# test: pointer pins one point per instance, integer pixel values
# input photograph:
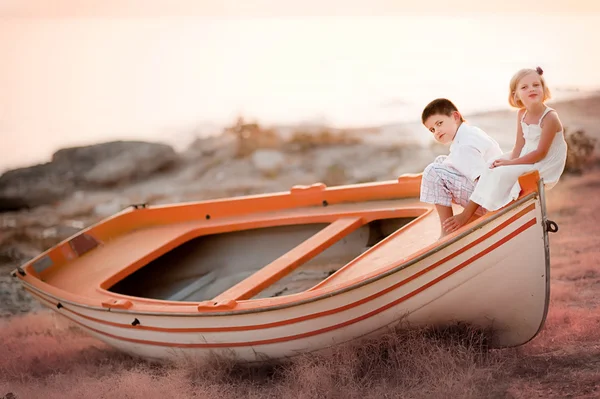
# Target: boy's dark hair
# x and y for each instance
(439, 106)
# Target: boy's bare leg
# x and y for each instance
(444, 213)
(453, 223)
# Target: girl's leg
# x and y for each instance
(499, 186)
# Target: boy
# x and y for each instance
(453, 177)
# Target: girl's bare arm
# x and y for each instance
(520, 141)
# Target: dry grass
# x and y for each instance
(304, 141)
(44, 356)
(251, 136)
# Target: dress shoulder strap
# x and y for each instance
(548, 109)
(523, 117)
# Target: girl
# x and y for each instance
(540, 145)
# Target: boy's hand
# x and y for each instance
(500, 162)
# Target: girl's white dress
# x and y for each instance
(499, 186)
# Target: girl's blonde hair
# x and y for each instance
(512, 98)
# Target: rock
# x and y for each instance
(580, 151)
(16, 248)
(82, 168)
(334, 175)
(207, 153)
(13, 298)
(131, 164)
(34, 186)
(9, 204)
(268, 162)
(110, 208)
(237, 173)
(77, 205)
(222, 146)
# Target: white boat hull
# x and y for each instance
(495, 275)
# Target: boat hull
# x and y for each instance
(496, 274)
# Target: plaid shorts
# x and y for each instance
(441, 185)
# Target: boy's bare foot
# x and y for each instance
(443, 233)
(455, 222)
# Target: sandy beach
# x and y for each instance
(45, 355)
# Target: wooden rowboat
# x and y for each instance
(272, 276)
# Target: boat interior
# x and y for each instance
(207, 266)
(220, 260)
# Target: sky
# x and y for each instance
(76, 73)
(279, 8)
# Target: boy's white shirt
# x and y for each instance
(471, 151)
